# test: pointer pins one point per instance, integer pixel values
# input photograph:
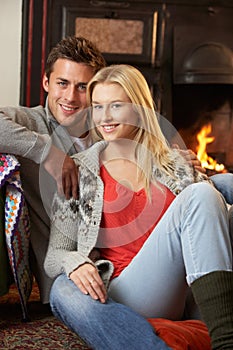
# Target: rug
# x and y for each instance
(43, 331)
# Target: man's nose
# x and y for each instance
(72, 94)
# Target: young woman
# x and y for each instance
(146, 231)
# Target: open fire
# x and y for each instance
(204, 139)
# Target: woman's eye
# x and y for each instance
(116, 105)
(97, 107)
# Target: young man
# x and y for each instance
(43, 138)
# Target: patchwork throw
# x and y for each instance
(16, 228)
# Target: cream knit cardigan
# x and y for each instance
(75, 223)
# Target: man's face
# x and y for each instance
(66, 88)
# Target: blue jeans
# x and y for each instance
(191, 240)
(109, 326)
(224, 184)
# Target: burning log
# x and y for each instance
(203, 140)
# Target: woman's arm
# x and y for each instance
(63, 255)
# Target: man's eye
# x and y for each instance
(82, 87)
(62, 83)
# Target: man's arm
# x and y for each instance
(24, 132)
(64, 170)
(191, 157)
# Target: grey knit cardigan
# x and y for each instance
(75, 223)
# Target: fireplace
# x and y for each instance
(203, 95)
(198, 105)
(183, 48)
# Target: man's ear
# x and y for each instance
(45, 82)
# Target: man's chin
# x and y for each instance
(68, 121)
(71, 119)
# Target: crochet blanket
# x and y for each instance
(16, 228)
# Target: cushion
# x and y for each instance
(182, 335)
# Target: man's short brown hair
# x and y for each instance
(77, 49)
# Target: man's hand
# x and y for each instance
(65, 172)
(191, 157)
(87, 279)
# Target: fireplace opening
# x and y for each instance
(197, 105)
(202, 92)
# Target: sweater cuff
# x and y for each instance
(74, 263)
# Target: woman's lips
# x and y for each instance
(109, 128)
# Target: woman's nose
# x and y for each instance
(107, 113)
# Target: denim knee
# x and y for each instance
(224, 184)
(206, 193)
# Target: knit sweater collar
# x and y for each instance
(90, 158)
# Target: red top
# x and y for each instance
(128, 219)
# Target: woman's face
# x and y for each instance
(113, 113)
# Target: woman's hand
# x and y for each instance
(87, 279)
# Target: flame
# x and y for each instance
(203, 139)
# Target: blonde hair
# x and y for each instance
(149, 134)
